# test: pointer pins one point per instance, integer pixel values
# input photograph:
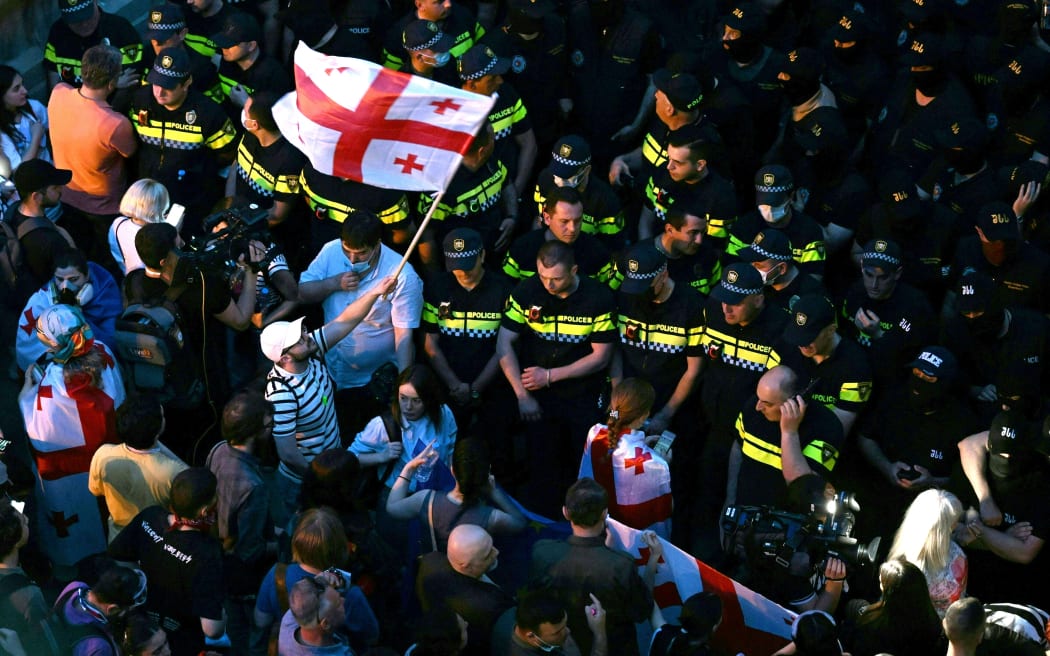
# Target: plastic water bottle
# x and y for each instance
(424, 471)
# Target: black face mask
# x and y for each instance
(964, 160)
(799, 91)
(743, 50)
(924, 396)
(930, 83)
(986, 326)
(848, 55)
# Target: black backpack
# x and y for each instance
(157, 356)
(66, 636)
(12, 260)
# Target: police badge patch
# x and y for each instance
(191, 117)
(517, 64)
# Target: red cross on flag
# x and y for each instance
(357, 120)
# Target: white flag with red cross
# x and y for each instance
(357, 120)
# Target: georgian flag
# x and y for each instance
(66, 424)
(750, 623)
(637, 479)
(357, 120)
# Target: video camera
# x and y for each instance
(219, 251)
(826, 531)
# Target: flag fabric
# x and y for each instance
(66, 423)
(357, 120)
(637, 479)
(751, 624)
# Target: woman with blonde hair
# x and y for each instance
(636, 478)
(925, 539)
(146, 201)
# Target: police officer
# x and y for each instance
(571, 166)
(204, 19)
(555, 344)
(687, 182)
(166, 28)
(427, 48)
(659, 325)
(691, 260)
(741, 340)
(835, 369)
(481, 72)
(854, 72)
(770, 253)
(83, 25)
(185, 136)
(562, 221)
(961, 179)
(454, 20)
(774, 194)
(245, 68)
(462, 309)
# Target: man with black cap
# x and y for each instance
(533, 36)
(770, 254)
(1021, 271)
(691, 259)
(83, 25)
(991, 338)
(166, 28)
(924, 229)
(742, 59)
(185, 136)
(960, 177)
(928, 100)
(562, 221)
(427, 47)
(854, 73)
(245, 68)
(833, 368)
(454, 20)
(659, 322)
(687, 182)
(889, 318)
(1007, 472)
(481, 72)
(741, 341)
(677, 103)
(555, 343)
(462, 309)
(800, 76)
(204, 19)
(571, 167)
(774, 198)
(39, 185)
(910, 438)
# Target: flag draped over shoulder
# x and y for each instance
(66, 423)
(637, 479)
(750, 623)
(357, 120)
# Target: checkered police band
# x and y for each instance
(568, 161)
(632, 272)
(429, 44)
(477, 75)
(462, 254)
(74, 6)
(764, 253)
(737, 289)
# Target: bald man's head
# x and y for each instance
(774, 387)
(470, 550)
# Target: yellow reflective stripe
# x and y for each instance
(855, 392)
(504, 120)
(538, 196)
(605, 225)
(756, 448)
(670, 339)
(735, 245)
(812, 252)
(222, 137)
(338, 212)
(287, 183)
(704, 285)
(131, 54)
(430, 313)
(719, 227)
(514, 311)
(157, 130)
(201, 44)
(607, 275)
(761, 358)
(51, 56)
(514, 270)
(472, 201)
(225, 85)
(815, 452)
(653, 151)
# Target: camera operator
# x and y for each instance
(205, 305)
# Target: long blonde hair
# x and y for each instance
(925, 534)
(631, 399)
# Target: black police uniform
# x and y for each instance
(803, 233)
(266, 74)
(264, 174)
(859, 83)
(802, 285)
(460, 24)
(603, 214)
(711, 198)
(554, 332)
(964, 197)
(1022, 280)
(467, 323)
(181, 148)
(592, 258)
(509, 118)
(761, 478)
(65, 49)
(474, 199)
(702, 270)
(1024, 134)
(200, 29)
(843, 380)
(758, 83)
(331, 199)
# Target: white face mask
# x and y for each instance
(572, 182)
(245, 118)
(773, 214)
(771, 276)
(438, 60)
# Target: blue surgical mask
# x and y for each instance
(773, 214)
(441, 58)
(572, 182)
(360, 267)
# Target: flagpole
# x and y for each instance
(419, 233)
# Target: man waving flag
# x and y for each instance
(357, 120)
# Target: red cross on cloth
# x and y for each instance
(638, 461)
(30, 324)
(354, 119)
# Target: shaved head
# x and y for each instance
(470, 550)
(774, 387)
